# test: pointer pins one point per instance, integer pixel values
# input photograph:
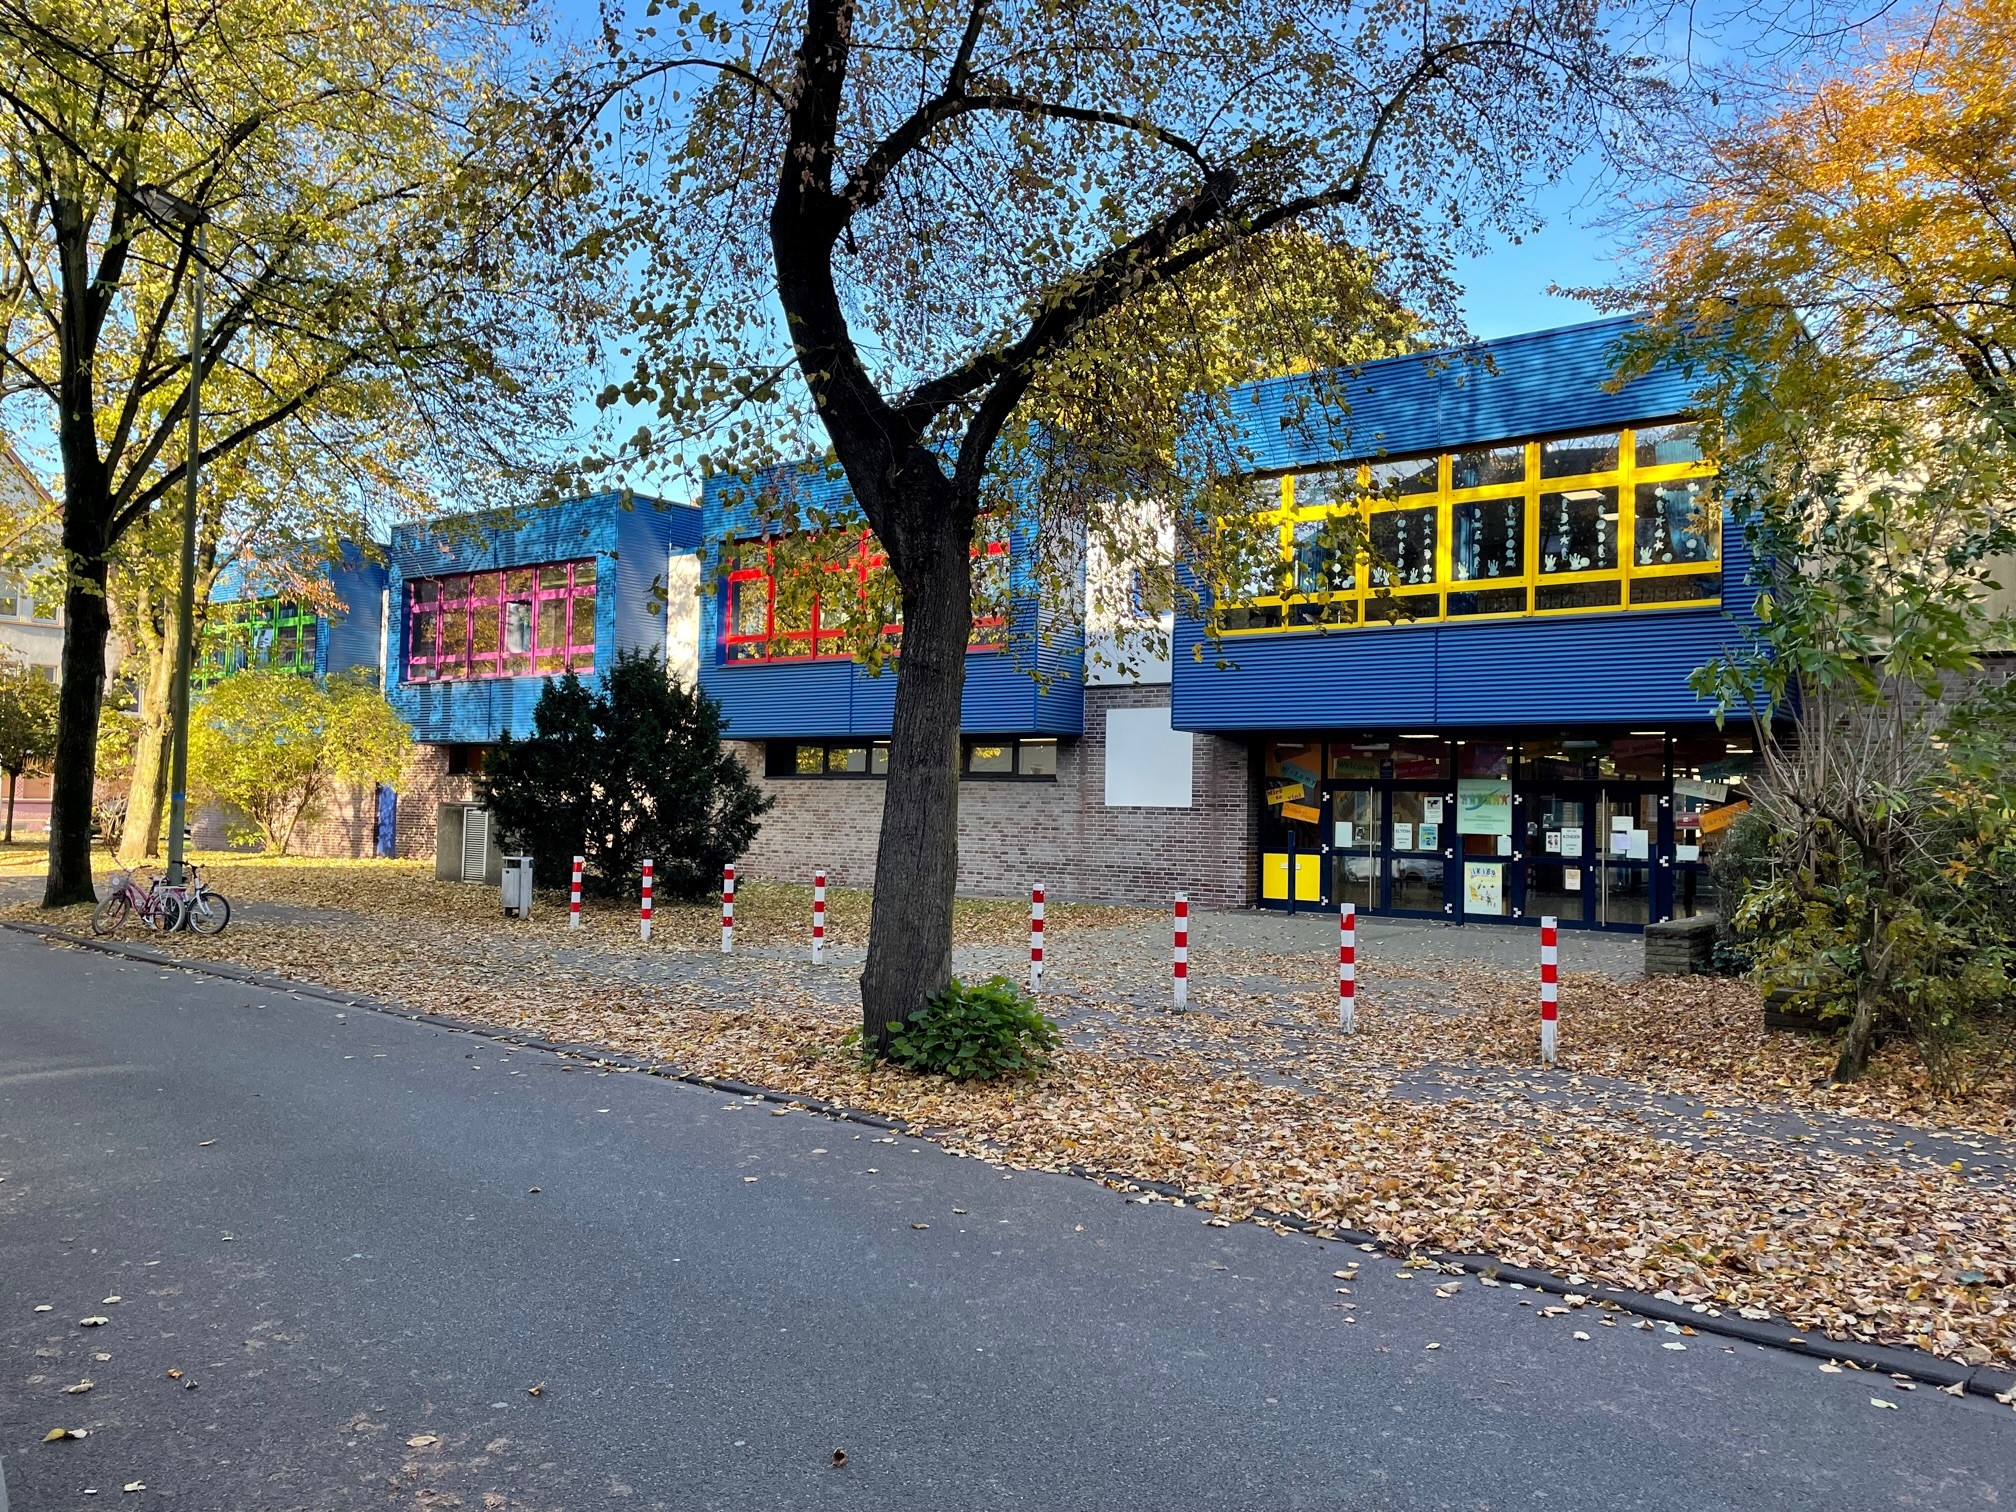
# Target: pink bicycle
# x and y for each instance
(154, 905)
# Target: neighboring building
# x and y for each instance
(1499, 726)
(32, 632)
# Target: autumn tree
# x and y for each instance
(27, 726)
(271, 516)
(273, 747)
(373, 257)
(1834, 262)
(880, 227)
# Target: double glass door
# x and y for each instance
(1388, 847)
(1589, 853)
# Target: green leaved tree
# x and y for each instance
(914, 234)
(27, 726)
(275, 746)
(376, 261)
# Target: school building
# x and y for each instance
(1486, 717)
(1493, 724)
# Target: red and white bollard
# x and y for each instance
(1036, 937)
(1181, 965)
(574, 895)
(644, 907)
(727, 910)
(1550, 988)
(1347, 968)
(818, 917)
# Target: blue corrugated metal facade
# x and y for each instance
(1034, 686)
(347, 638)
(631, 538)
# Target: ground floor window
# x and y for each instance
(983, 758)
(1600, 829)
(826, 758)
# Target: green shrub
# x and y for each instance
(976, 1033)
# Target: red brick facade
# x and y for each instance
(1059, 833)
(426, 785)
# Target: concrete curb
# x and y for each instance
(1917, 1364)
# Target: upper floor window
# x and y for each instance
(518, 622)
(1609, 520)
(276, 635)
(762, 623)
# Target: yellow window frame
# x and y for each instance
(1624, 479)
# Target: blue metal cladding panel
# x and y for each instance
(1539, 383)
(1620, 665)
(348, 641)
(764, 700)
(601, 526)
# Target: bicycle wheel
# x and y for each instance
(110, 913)
(167, 913)
(209, 913)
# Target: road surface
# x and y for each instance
(362, 1241)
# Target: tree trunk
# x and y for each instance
(1869, 995)
(12, 779)
(147, 794)
(74, 772)
(917, 865)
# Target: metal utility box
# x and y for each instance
(517, 885)
(463, 848)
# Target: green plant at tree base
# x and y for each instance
(980, 1032)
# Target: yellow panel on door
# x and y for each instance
(1308, 879)
(1274, 876)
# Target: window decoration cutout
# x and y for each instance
(518, 622)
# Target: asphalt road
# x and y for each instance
(363, 1239)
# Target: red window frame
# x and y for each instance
(820, 639)
(460, 626)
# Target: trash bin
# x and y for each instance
(517, 886)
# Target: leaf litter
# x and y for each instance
(1255, 1105)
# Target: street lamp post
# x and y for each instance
(170, 207)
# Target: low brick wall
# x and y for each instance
(1059, 833)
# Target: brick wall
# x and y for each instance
(425, 785)
(1060, 833)
(347, 827)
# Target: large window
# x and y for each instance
(275, 634)
(761, 624)
(520, 622)
(1611, 520)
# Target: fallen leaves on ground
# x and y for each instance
(1430, 1127)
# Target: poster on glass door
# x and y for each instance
(1483, 887)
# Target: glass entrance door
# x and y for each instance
(1357, 825)
(1417, 864)
(1555, 850)
(1627, 829)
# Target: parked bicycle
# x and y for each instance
(204, 909)
(156, 906)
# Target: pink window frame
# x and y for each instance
(488, 592)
